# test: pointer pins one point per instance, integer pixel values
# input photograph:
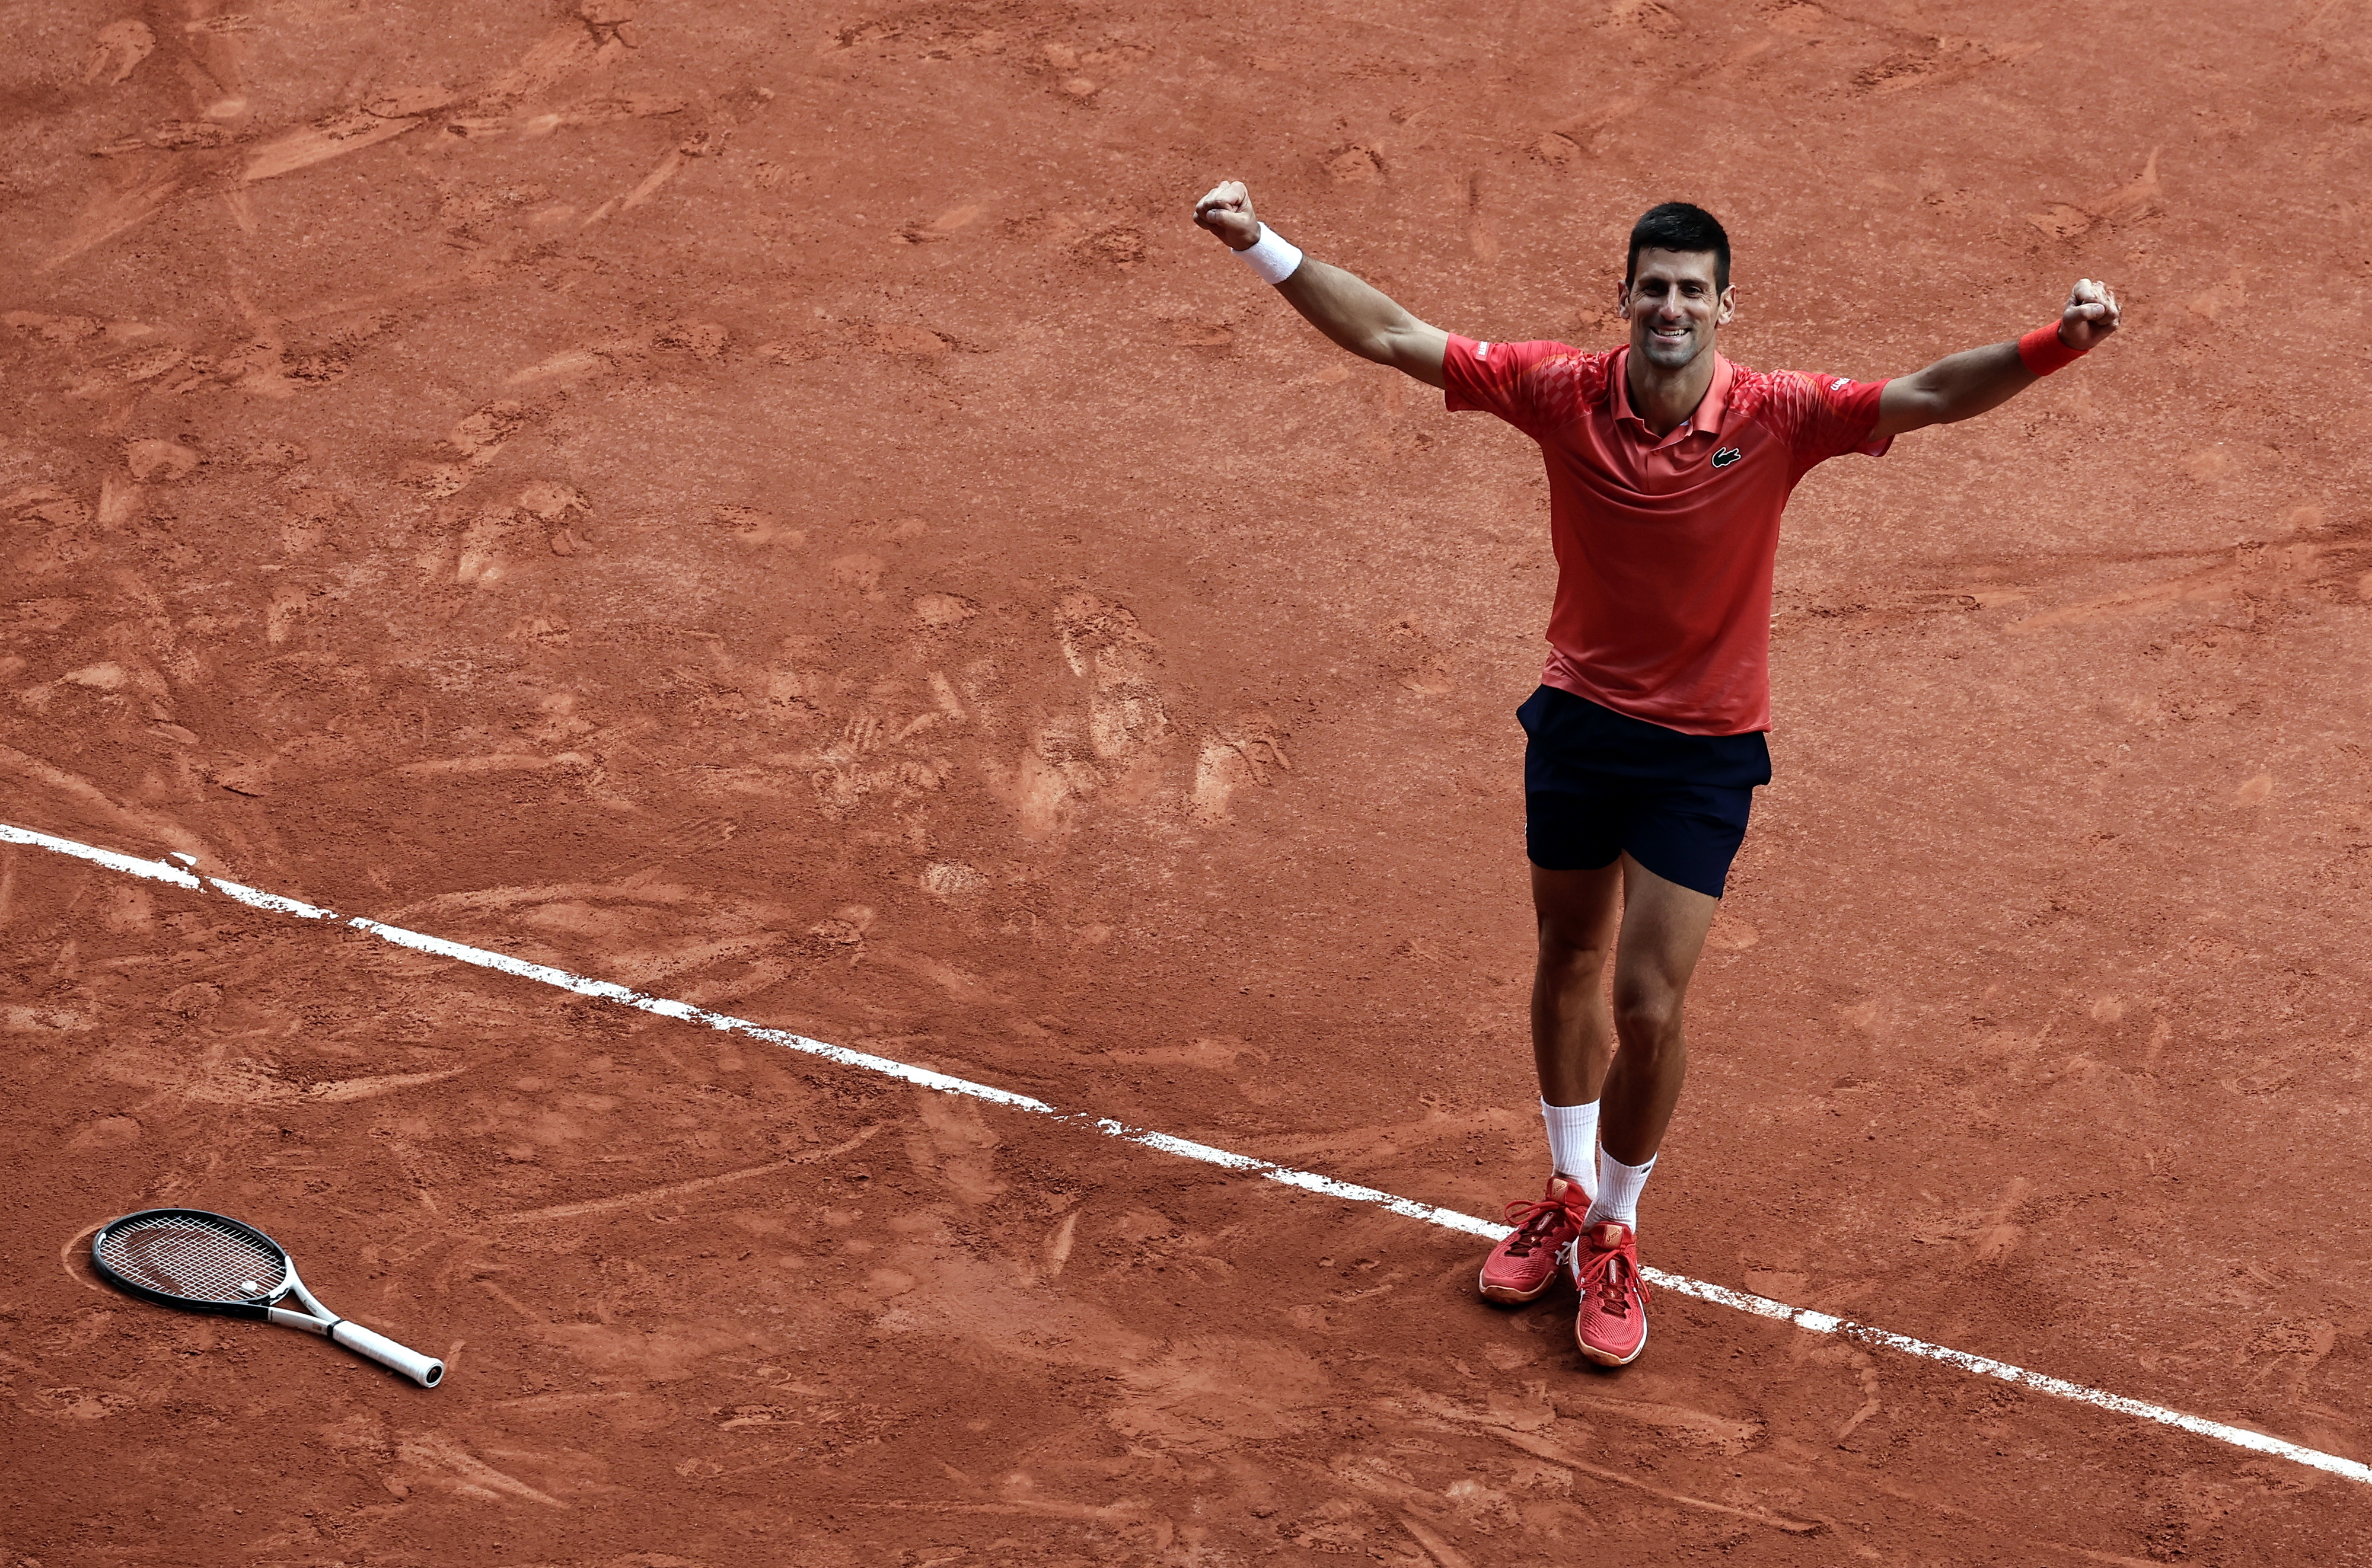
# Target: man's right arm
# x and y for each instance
(1357, 316)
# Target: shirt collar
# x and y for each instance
(1706, 421)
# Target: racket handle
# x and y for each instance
(424, 1370)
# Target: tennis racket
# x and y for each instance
(206, 1262)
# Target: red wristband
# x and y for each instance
(2043, 351)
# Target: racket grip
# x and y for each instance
(424, 1370)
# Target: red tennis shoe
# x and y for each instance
(1524, 1264)
(1612, 1328)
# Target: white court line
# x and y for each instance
(1308, 1181)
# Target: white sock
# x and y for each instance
(1573, 1137)
(1618, 1190)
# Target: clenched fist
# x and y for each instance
(2090, 315)
(1228, 213)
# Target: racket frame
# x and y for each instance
(424, 1370)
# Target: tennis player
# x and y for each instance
(1667, 468)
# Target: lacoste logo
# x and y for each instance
(1725, 457)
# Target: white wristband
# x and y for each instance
(1273, 257)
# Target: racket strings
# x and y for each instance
(193, 1258)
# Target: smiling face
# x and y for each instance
(1673, 304)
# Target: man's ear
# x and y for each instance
(1622, 300)
(1728, 306)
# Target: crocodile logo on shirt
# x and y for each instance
(1725, 457)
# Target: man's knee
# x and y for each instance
(1646, 1016)
(1564, 945)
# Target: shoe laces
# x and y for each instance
(1611, 1274)
(1535, 1220)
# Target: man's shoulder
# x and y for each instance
(1778, 394)
(1553, 369)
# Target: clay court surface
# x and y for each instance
(777, 506)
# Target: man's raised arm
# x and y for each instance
(1962, 386)
(1363, 319)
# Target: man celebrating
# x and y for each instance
(1667, 468)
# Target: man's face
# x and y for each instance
(1673, 306)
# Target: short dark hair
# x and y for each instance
(1677, 226)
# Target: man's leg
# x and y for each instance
(1571, 1035)
(1662, 936)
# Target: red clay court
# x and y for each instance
(782, 510)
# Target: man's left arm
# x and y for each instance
(1962, 386)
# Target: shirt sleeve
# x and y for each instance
(1500, 378)
(1821, 417)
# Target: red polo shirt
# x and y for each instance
(1663, 546)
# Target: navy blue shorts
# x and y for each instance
(1599, 783)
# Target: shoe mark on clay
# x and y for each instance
(956, 1143)
(1799, 16)
(219, 51)
(1440, 1551)
(2257, 570)
(484, 553)
(312, 522)
(1241, 1065)
(702, 340)
(347, 130)
(503, 901)
(964, 987)
(2065, 220)
(219, 1077)
(1726, 1435)
(1068, 760)
(944, 613)
(1413, 660)
(146, 825)
(951, 879)
(1354, 1145)
(646, 1197)
(1935, 62)
(570, 363)
(1482, 231)
(668, 1353)
(433, 1458)
(1569, 139)
(1542, 1447)
(478, 439)
(111, 212)
(944, 226)
(750, 525)
(602, 111)
(567, 50)
(1648, 16)
(840, 772)
(2292, 1349)
(602, 34)
(1866, 1369)
(72, 1403)
(260, 361)
(1081, 74)
(117, 51)
(1247, 754)
(1997, 1238)
(1056, 1251)
(599, 36)
(1202, 1395)
(666, 171)
(570, 48)
(18, 1019)
(172, 136)
(859, 571)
